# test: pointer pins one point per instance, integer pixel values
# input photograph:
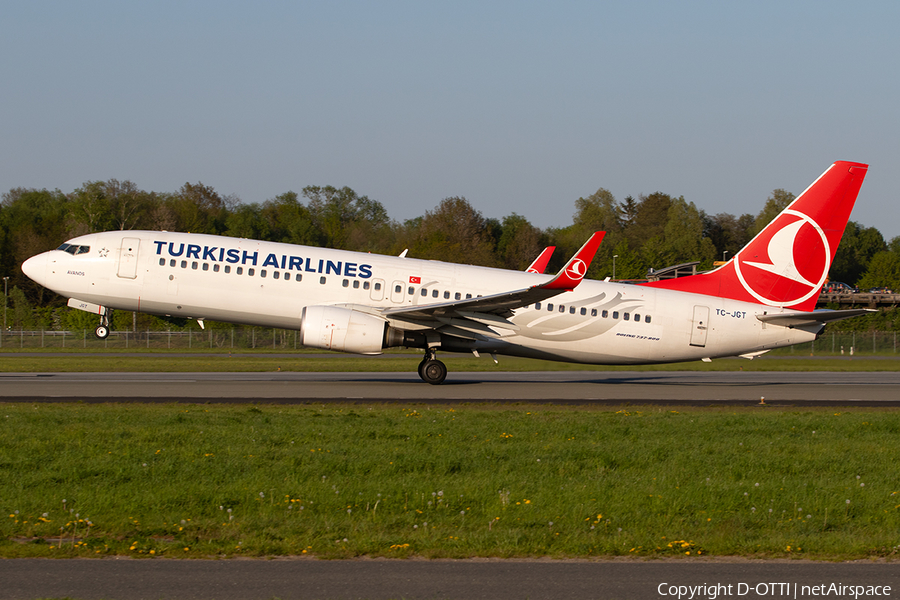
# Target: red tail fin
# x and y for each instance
(787, 263)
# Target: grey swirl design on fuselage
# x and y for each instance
(565, 327)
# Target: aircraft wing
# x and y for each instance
(476, 313)
(798, 319)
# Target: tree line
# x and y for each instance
(650, 231)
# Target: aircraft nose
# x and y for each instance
(36, 268)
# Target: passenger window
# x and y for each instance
(593, 312)
(162, 262)
(322, 280)
(468, 296)
(239, 270)
(287, 276)
(572, 310)
(172, 263)
(345, 283)
(216, 268)
(615, 314)
(537, 306)
(562, 308)
(298, 277)
(250, 272)
(366, 286)
(262, 273)
(184, 264)
(625, 316)
(411, 290)
(206, 266)
(356, 284)
(194, 265)
(275, 274)
(637, 318)
(604, 314)
(457, 295)
(377, 286)
(583, 311)
(434, 293)
(549, 307)
(646, 318)
(228, 268)
(398, 289)
(446, 295)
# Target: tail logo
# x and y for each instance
(576, 270)
(787, 263)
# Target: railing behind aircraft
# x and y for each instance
(261, 339)
(243, 338)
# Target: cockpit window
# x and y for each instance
(74, 249)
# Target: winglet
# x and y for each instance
(575, 270)
(540, 263)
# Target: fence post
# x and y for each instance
(190, 339)
(232, 338)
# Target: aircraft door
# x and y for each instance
(700, 326)
(128, 257)
(377, 293)
(397, 292)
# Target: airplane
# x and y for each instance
(762, 298)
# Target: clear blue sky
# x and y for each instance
(518, 106)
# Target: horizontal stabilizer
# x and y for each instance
(798, 319)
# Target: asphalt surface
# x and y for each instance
(436, 579)
(554, 387)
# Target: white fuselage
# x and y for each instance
(269, 284)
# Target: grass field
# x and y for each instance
(175, 480)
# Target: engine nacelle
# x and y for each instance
(343, 330)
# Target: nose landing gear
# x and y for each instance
(102, 331)
(431, 370)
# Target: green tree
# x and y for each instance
(198, 208)
(454, 232)
(883, 271)
(776, 203)
(684, 235)
(858, 246)
(519, 242)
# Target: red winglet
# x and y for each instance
(540, 263)
(575, 270)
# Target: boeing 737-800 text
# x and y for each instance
(763, 298)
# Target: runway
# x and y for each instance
(486, 579)
(599, 388)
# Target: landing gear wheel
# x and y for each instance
(433, 371)
(102, 332)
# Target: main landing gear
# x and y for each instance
(431, 370)
(102, 331)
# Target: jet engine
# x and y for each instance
(346, 330)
